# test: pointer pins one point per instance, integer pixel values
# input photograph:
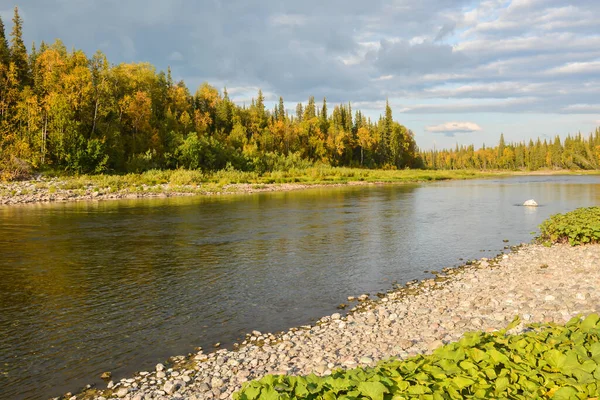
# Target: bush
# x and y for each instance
(202, 152)
(13, 168)
(142, 162)
(87, 157)
(183, 177)
(576, 227)
(547, 361)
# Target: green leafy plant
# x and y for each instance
(545, 361)
(576, 227)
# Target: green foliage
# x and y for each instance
(18, 51)
(577, 227)
(576, 153)
(88, 156)
(547, 361)
(13, 168)
(54, 101)
(202, 152)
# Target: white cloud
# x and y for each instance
(577, 68)
(454, 127)
(582, 108)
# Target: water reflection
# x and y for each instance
(119, 286)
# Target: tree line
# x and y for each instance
(575, 152)
(61, 110)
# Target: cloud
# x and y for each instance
(414, 58)
(582, 108)
(445, 30)
(451, 128)
(503, 56)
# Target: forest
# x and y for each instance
(576, 152)
(63, 111)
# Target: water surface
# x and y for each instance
(121, 285)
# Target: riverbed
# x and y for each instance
(118, 286)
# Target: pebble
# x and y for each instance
(476, 297)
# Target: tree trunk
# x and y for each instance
(95, 117)
(361, 156)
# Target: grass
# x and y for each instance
(195, 181)
(310, 176)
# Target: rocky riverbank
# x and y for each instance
(57, 190)
(540, 284)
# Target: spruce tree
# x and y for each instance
(18, 51)
(310, 110)
(4, 51)
(299, 112)
(324, 123)
(501, 146)
(281, 110)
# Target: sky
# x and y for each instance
(453, 71)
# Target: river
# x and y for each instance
(121, 285)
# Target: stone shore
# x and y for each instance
(59, 191)
(540, 284)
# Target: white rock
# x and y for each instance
(530, 203)
(169, 387)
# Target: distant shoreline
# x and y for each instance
(118, 187)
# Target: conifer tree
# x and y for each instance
(324, 123)
(281, 110)
(4, 51)
(18, 51)
(310, 110)
(501, 145)
(299, 112)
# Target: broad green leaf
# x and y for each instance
(418, 389)
(252, 391)
(590, 322)
(515, 322)
(501, 384)
(462, 382)
(565, 393)
(374, 390)
(498, 357)
(268, 393)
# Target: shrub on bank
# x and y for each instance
(546, 361)
(576, 227)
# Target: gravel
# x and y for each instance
(540, 284)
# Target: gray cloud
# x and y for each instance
(495, 56)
